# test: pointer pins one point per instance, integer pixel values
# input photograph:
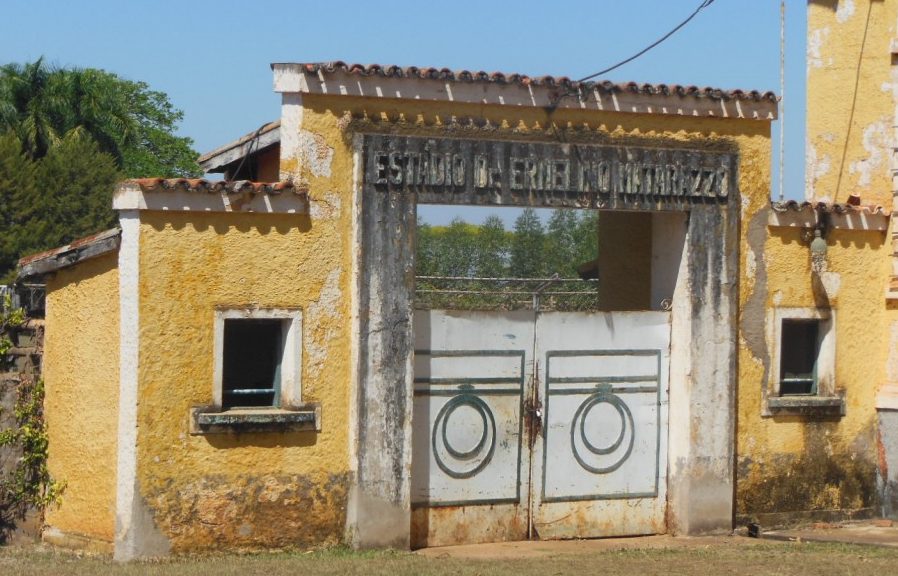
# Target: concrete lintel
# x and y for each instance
(862, 221)
(132, 197)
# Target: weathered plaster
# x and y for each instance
(780, 456)
(888, 465)
(848, 115)
(351, 273)
(796, 468)
(192, 264)
(816, 40)
(876, 143)
(844, 10)
(135, 534)
(321, 332)
(315, 153)
(379, 496)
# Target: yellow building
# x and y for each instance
(816, 449)
(246, 365)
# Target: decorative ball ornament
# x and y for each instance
(818, 253)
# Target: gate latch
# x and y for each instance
(534, 420)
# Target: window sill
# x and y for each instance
(806, 406)
(206, 420)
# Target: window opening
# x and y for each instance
(251, 371)
(800, 346)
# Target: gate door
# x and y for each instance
(470, 464)
(538, 424)
(602, 454)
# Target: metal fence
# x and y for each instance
(466, 293)
(31, 297)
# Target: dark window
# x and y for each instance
(798, 356)
(253, 349)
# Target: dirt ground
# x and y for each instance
(630, 557)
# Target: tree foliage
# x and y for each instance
(129, 121)
(488, 267)
(67, 135)
(529, 250)
(51, 201)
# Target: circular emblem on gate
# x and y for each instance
(463, 461)
(594, 455)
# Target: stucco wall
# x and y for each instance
(701, 471)
(254, 489)
(796, 467)
(81, 371)
(851, 95)
(792, 468)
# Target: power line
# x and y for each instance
(702, 6)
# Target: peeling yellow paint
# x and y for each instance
(190, 263)
(848, 114)
(779, 456)
(799, 464)
(277, 489)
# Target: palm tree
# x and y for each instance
(42, 105)
(31, 107)
(97, 106)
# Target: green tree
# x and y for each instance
(17, 188)
(65, 195)
(492, 244)
(586, 237)
(425, 244)
(66, 136)
(457, 249)
(128, 120)
(30, 106)
(560, 250)
(527, 246)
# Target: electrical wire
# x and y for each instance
(702, 6)
(249, 150)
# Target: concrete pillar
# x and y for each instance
(703, 375)
(380, 511)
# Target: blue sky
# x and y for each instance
(212, 57)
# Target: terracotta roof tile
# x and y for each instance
(36, 265)
(562, 82)
(73, 245)
(209, 186)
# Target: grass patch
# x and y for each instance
(759, 560)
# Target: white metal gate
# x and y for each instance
(538, 424)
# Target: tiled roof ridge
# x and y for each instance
(829, 207)
(76, 245)
(562, 82)
(211, 186)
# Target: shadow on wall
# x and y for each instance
(243, 222)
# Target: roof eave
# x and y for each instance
(516, 90)
(256, 141)
(43, 263)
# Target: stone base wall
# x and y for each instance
(24, 366)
